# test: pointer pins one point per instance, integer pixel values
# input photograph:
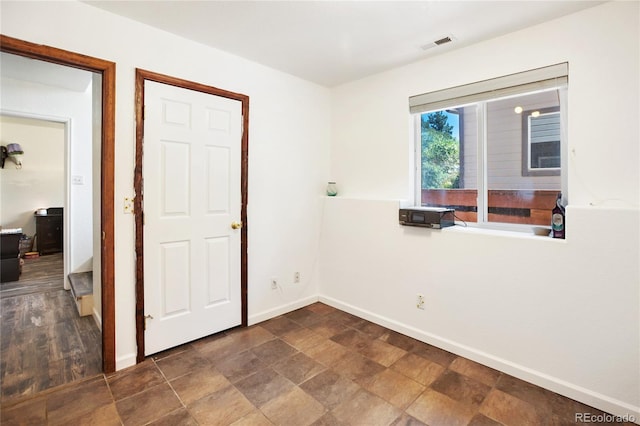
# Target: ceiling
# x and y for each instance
(333, 42)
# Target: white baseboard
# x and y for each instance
(125, 361)
(570, 390)
(283, 309)
(97, 318)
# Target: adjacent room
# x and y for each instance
(400, 213)
(46, 214)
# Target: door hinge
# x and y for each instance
(147, 317)
(104, 235)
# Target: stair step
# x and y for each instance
(81, 283)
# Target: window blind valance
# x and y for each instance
(512, 84)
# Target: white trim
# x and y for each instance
(563, 93)
(96, 317)
(282, 309)
(482, 181)
(125, 361)
(417, 163)
(66, 212)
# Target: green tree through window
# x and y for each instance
(440, 152)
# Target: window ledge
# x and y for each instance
(511, 233)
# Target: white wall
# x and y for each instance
(563, 314)
(288, 147)
(40, 181)
(73, 109)
(96, 128)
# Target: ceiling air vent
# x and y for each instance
(443, 40)
(439, 42)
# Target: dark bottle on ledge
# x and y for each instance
(558, 218)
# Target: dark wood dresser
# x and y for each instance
(49, 231)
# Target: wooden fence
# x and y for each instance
(530, 207)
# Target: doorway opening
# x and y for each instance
(105, 181)
(47, 342)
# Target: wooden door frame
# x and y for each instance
(141, 77)
(108, 71)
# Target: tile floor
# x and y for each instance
(314, 366)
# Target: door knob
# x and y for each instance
(236, 225)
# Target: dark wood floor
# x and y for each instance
(44, 342)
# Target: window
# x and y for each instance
(493, 149)
(541, 142)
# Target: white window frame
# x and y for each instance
(553, 78)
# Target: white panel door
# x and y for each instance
(192, 195)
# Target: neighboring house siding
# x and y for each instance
(504, 152)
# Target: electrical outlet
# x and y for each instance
(296, 277)
(420, 301)
(274, 284)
